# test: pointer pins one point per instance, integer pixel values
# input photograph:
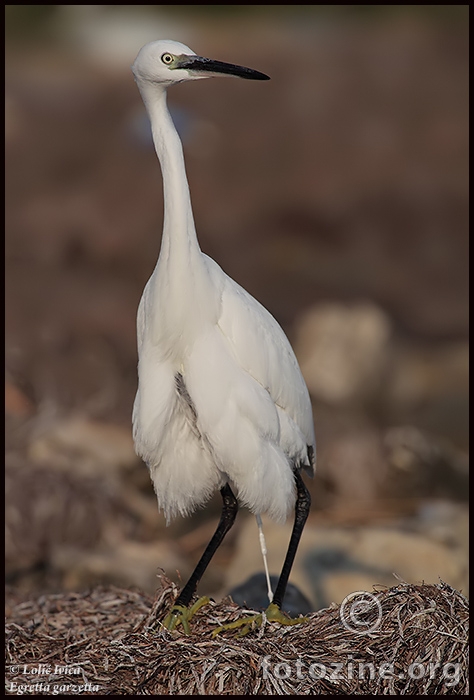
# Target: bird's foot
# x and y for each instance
(272, 614)
(179, 614)
(246, 623)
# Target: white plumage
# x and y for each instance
(220, 397)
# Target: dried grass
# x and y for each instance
(111, 638)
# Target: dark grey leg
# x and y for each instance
(230, 507)
(302, 506)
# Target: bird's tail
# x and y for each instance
(263, 547)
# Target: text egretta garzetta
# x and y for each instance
(221, 402)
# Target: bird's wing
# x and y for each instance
(262, 349)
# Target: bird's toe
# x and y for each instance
(274, 614)
(179, 614)
(246, 624)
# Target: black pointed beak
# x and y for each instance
(198, 64)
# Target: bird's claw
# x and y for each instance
(247, 623)
(179, 614)
(272, 614)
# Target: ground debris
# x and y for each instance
(410, 639)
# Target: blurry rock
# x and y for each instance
(428, 373)
(15, 120)
(16, 402)
(354, 466)
(253, 595)
(411, 556)
(445, 521)
(46, 508)
(334, 561)
(89, 445)
(49, 509)
(402, 463)
(342, 350)
(429, 386)
(101, 450)
(332, 569)
(128, 564)
(420, 466)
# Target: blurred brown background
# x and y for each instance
(336, 193)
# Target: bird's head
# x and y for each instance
(167, 62)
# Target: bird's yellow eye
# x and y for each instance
(167, 59)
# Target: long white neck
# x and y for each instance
(179, 233)
(181, 289)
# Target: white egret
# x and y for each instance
(221, 402)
